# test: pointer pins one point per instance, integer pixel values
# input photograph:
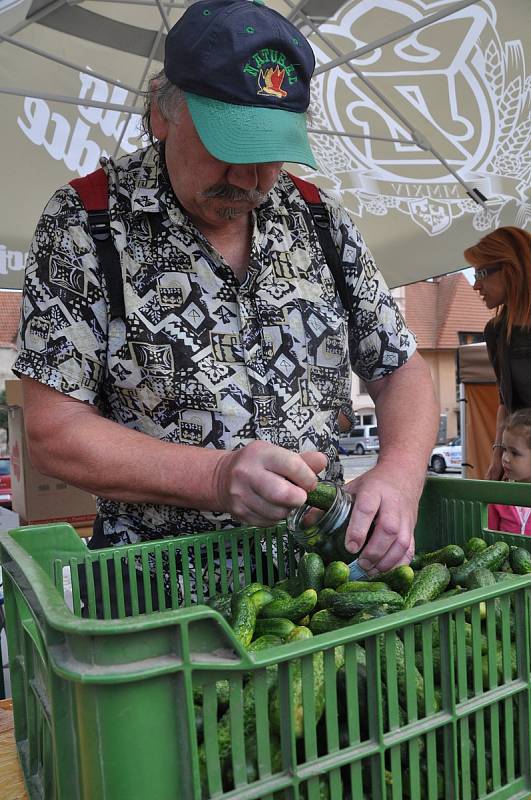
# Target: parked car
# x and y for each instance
(5, 481)
(361, 439)
(446, 456)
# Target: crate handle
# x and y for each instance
(29, 626)
(23, 593)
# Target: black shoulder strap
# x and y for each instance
(93, 191)
(94, 194)
(321, 219)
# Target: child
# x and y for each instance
(516, 463)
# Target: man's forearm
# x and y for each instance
(69, 439)
(408, 417)
(112, 461)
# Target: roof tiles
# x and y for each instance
(437, 311)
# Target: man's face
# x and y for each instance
(215, 194)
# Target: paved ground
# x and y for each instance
(357, 465)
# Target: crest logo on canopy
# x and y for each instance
(457, 83)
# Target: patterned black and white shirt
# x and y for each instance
(201, 359)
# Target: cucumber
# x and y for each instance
(243, 617)
(502, 576)
(512, 665)
(371, 612)
(299, 632)
(222, 693)
(290, 585)
(280, 594)
(520, 560)
(325, 620)
(347, 603)
(322, 496)
(428, 584)
(404, 672)
(311, 572)
(275, 626)
(398, 579)
(324, 598)
(264, 642)
(480, 577)
(455, 590)
(362, 586)
(277, 713)
(251, 588)
(336, 573)
(492, 558)
(224, 730)
(260, 598)
(474, 546)
(452, 555)
(416, 562)
(294, 609)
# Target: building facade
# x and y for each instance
(443, 313)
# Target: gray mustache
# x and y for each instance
(227, 192)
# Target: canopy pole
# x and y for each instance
(36, 17)
(163, 14)
(70, 64)
(325, 132)
(75, 101)
(152, 52)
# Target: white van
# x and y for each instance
(361, 439)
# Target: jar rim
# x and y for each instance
(296, 515)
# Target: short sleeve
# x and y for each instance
(379, 339)
(62, 340)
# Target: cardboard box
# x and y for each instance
(37, 498)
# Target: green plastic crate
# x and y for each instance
(104, 709)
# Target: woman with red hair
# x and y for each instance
(502, 262)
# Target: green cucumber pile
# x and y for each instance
(319, 599)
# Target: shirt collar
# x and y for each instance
(152, 191)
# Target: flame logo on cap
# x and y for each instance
(270, 82)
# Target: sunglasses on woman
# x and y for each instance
(482, 272)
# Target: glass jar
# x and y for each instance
(323, 532)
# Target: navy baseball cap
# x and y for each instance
(245, 71)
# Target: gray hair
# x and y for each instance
(168, 97)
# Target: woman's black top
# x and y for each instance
(511, 362)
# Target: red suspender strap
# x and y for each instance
(309, 191)
(93, 190)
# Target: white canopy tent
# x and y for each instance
(420, 113)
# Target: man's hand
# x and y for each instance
(382, 494)
(259, 484)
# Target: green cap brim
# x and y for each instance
(250, 134)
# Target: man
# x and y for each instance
(214, 402)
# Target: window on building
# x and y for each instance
(367, 419)
(470, 338)
(363, 387)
